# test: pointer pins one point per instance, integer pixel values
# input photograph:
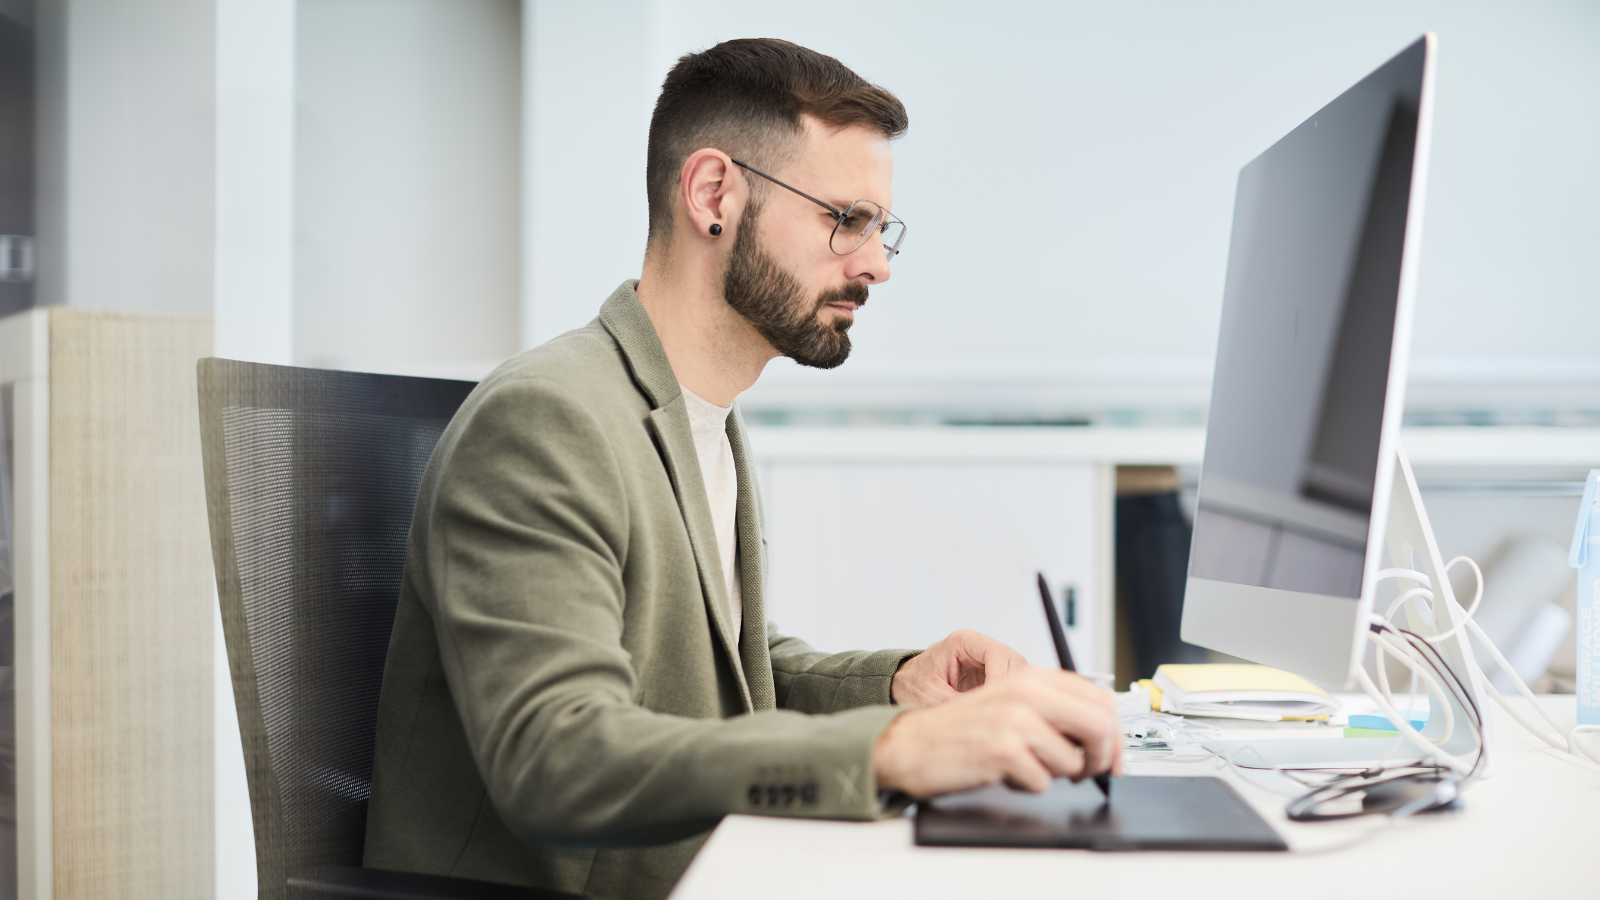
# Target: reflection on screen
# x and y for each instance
(1307, 331)
(7, 476)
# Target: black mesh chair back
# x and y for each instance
(311, 479)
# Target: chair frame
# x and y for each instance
(227, 383)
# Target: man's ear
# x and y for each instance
(712, 195)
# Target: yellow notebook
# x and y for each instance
(1259, 693)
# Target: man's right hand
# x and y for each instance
(1026, 730)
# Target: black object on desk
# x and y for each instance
(1152, 566)
(1064, 656)
(1143, 813)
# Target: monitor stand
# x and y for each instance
(1411, 545)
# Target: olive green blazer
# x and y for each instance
(565, 704)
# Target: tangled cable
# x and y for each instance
(1400, 791)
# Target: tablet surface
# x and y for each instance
(1143, 813)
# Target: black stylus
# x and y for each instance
(1064, 654)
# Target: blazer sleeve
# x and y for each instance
(526, 537)
(810, 681)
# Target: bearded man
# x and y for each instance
(582, 680)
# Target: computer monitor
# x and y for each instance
(1302, 441)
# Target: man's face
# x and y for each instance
(782, 276)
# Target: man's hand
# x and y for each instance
(959, 663)
(1027, 730)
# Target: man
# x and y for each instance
(582, 681)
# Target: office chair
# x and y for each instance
(311, 477)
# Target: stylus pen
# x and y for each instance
(1064, 654)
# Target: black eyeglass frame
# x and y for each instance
(839, 216)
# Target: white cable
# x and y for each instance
(1447, 760)
(1557, 742)
(1476, 600)
(1414, 592)
(1411, 658)
(1410, 713)
(1408, 657)
(1427, 595)
(1570, 758)
(1403, 654)
(1411, 700)
(1419, 667)
(1567, 745)
(1183, 761)
(1411, 697)
(1227, 759)
(1575, 748)
(1408, 574)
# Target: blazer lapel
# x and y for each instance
(625, 318)
(671, 426)
(752, 573)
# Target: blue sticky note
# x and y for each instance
(1585, 557)
(1382, 723)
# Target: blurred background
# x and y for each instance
(427, 187)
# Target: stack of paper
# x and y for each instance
(1259, 693)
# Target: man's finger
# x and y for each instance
(1000, 661)
(996, 659)
(1116, 740)
(1025, 770)
(1086, 721)
(1062, 757)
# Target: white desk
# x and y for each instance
(1529, 831)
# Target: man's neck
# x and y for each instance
(713, 350)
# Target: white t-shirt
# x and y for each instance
(709, 422)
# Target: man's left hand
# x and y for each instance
(960, 662)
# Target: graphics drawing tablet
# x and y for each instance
(1143, 813)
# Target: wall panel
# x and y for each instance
(130, 608)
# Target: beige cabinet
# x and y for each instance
(106, 551)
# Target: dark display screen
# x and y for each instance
(1297, 402)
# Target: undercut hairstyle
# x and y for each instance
(745, 98)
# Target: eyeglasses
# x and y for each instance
(853, 225)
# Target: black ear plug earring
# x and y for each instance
(715, 229)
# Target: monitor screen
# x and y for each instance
(1308, 322)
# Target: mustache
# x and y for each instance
(854, 292)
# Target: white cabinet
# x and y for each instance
(893, 537)
(899, 553)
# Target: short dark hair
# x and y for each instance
(745, 98)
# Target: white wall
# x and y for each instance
(254, 304)
(127, 100)
(407, 184)
(254, 315)
(1115, 132)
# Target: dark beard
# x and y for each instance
(771, 300)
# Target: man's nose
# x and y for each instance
(869, 262)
